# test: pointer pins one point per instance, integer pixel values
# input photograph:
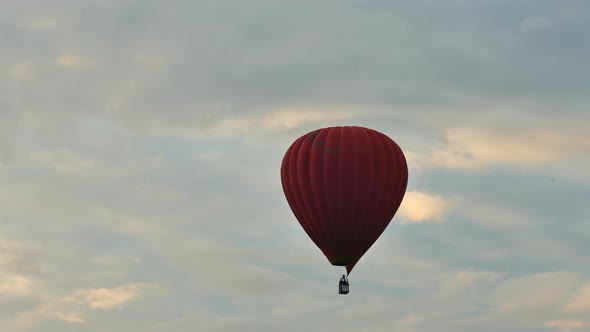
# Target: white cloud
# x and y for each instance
(175, 67)
(42, 23)
(231, 268)
(115, 260)
(294, 117)
(63, 160)
(532, 296)
(567, 325)
(417, 161)
(493, 216)
(124, 92)
(71, 317)
(109, 298)
(581, 300)
(22, 71)
(251, 125)
(156, 63)
(473, 148)
(74, 309)
(12, 251)
(420, 207)
(15, 284)
(50, 309)
(73, 61)
(407, 324)
(281, 118)
(463, 283)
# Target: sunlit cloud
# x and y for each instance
(475, 148)
(73, 61)
(520, 297)
(282, 118)
(22, 71)
(14, 284)
(109, 298)
(567, 325)
(12, 251)
(420, 207)
(470, 148)
(463, 282)
(581, 300)
(42, 23)
(492, 216)
(71, 317)
(156, 63)
(75, 309)
(63, 160)
(140, 147)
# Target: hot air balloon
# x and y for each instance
(344, 185)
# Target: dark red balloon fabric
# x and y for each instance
(344, 186)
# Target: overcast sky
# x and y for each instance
(141, 143)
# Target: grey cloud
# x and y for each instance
(107, 167)
(227, 63)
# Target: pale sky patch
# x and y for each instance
(534, 24)
(157, 62)
(124, 92)
(407, 323)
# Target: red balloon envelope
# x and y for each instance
(344, 185)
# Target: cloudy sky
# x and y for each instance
(141, 141)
